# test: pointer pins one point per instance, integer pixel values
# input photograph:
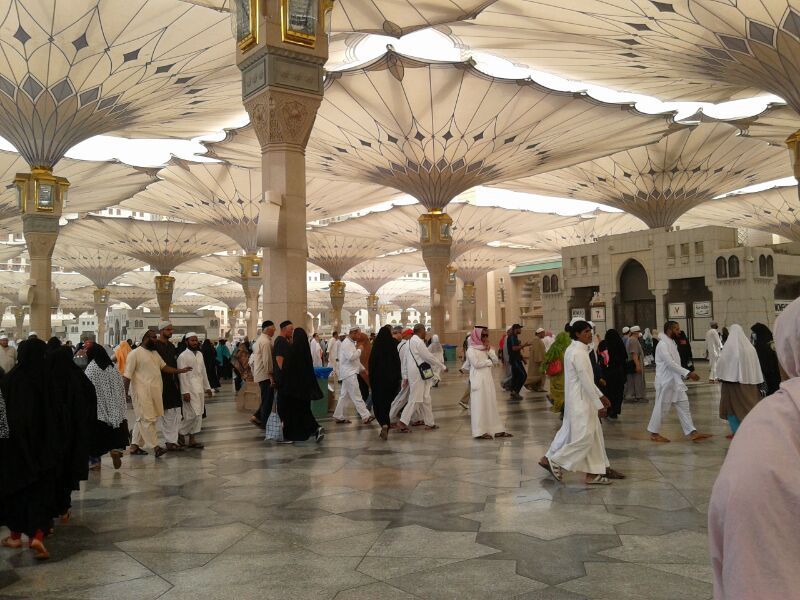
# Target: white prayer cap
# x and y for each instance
(626, 330)
(3, 336)
(33, 334)
(540, 330)
(355, 328)
(191, 334)
(164, 325)
(635, 329)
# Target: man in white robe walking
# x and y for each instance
(579, 444)
(670, 389)
(401, 399)
(419, 393)
(194, 388)
(349, 368)
(713, 348)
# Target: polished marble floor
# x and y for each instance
(431, 515)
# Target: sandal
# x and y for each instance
(598, 480)
(546, 467)
(402, 428)
(431, 427)
(503, 434)
(196, 445)
(485, 436)
(417, 423)
(138, 452)
(612, 474)
(384, 434)
(557, 471)
(656, 437)
(116, 458)
(38, 547)
(368, 420)
(342, 421)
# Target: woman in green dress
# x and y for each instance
(555, 357)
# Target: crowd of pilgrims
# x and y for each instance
(63, 408)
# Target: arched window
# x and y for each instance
(762, 266)
(722, 268)
(554, 283)
(770, 267)
(545, 284)
(733, 266)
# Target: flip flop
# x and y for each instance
(503, 434)
(546, 467)
(485, 436)
(138, 452)
(342, 421)
(612, 474)
(431, 428)
(557, 472)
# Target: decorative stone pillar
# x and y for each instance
(436, 240)
(317, 322)
(372, 310)
(470, 310)
(101, 297)
(232, 319)
(404, 317)
(165, 286)
(337, 303)
(40, 199)
(19, 319)
(661, 309)
(282, 86)
(251, 272)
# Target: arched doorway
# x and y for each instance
(635, 303)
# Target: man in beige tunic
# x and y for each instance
(143, 386)
(537, 352)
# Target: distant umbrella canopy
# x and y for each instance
(221, 196)
(131, 295)
(161, 244)
(476, 263)
(473, 226)
(436, 129)
(775, 210)
(707, 50)
(659, 182)
(101, 267)
(372, 275)
(142, 68)
(337, 254)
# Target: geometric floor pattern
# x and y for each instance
(430, 515)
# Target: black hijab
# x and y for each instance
(99, 355)
(298, 369)
(384, 364)
(767, 357)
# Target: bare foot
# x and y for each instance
(699, 437)
(657, 437)
(41, 552)
(9, 542)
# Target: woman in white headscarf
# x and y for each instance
(480, 359)
(753, 527)
(740, 373)
(437, 350)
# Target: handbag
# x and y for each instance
(554, 368)
(274, 429)
(425, 370)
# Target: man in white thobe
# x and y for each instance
(419, 393)
(8, 354)
(262, 373)
(401, 399)
(194, 388)
(713, 348)
(349, 368)
(670, 389)
(579, 444)
(316, 351)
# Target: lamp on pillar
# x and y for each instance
(101, 297)
(470, 312)
(19, 319)
(40, 197)
(436, 239)
(793, 142)
(372, 310)
(251, 266)
(337, 303)
(165, 286)
(282, 47)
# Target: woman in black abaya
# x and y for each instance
(384, 376)
(31, 454)
(210, 362)
(298, 388)
(767, 357)
(614, 372)
(75, 400)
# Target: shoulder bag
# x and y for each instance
(425, 370)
